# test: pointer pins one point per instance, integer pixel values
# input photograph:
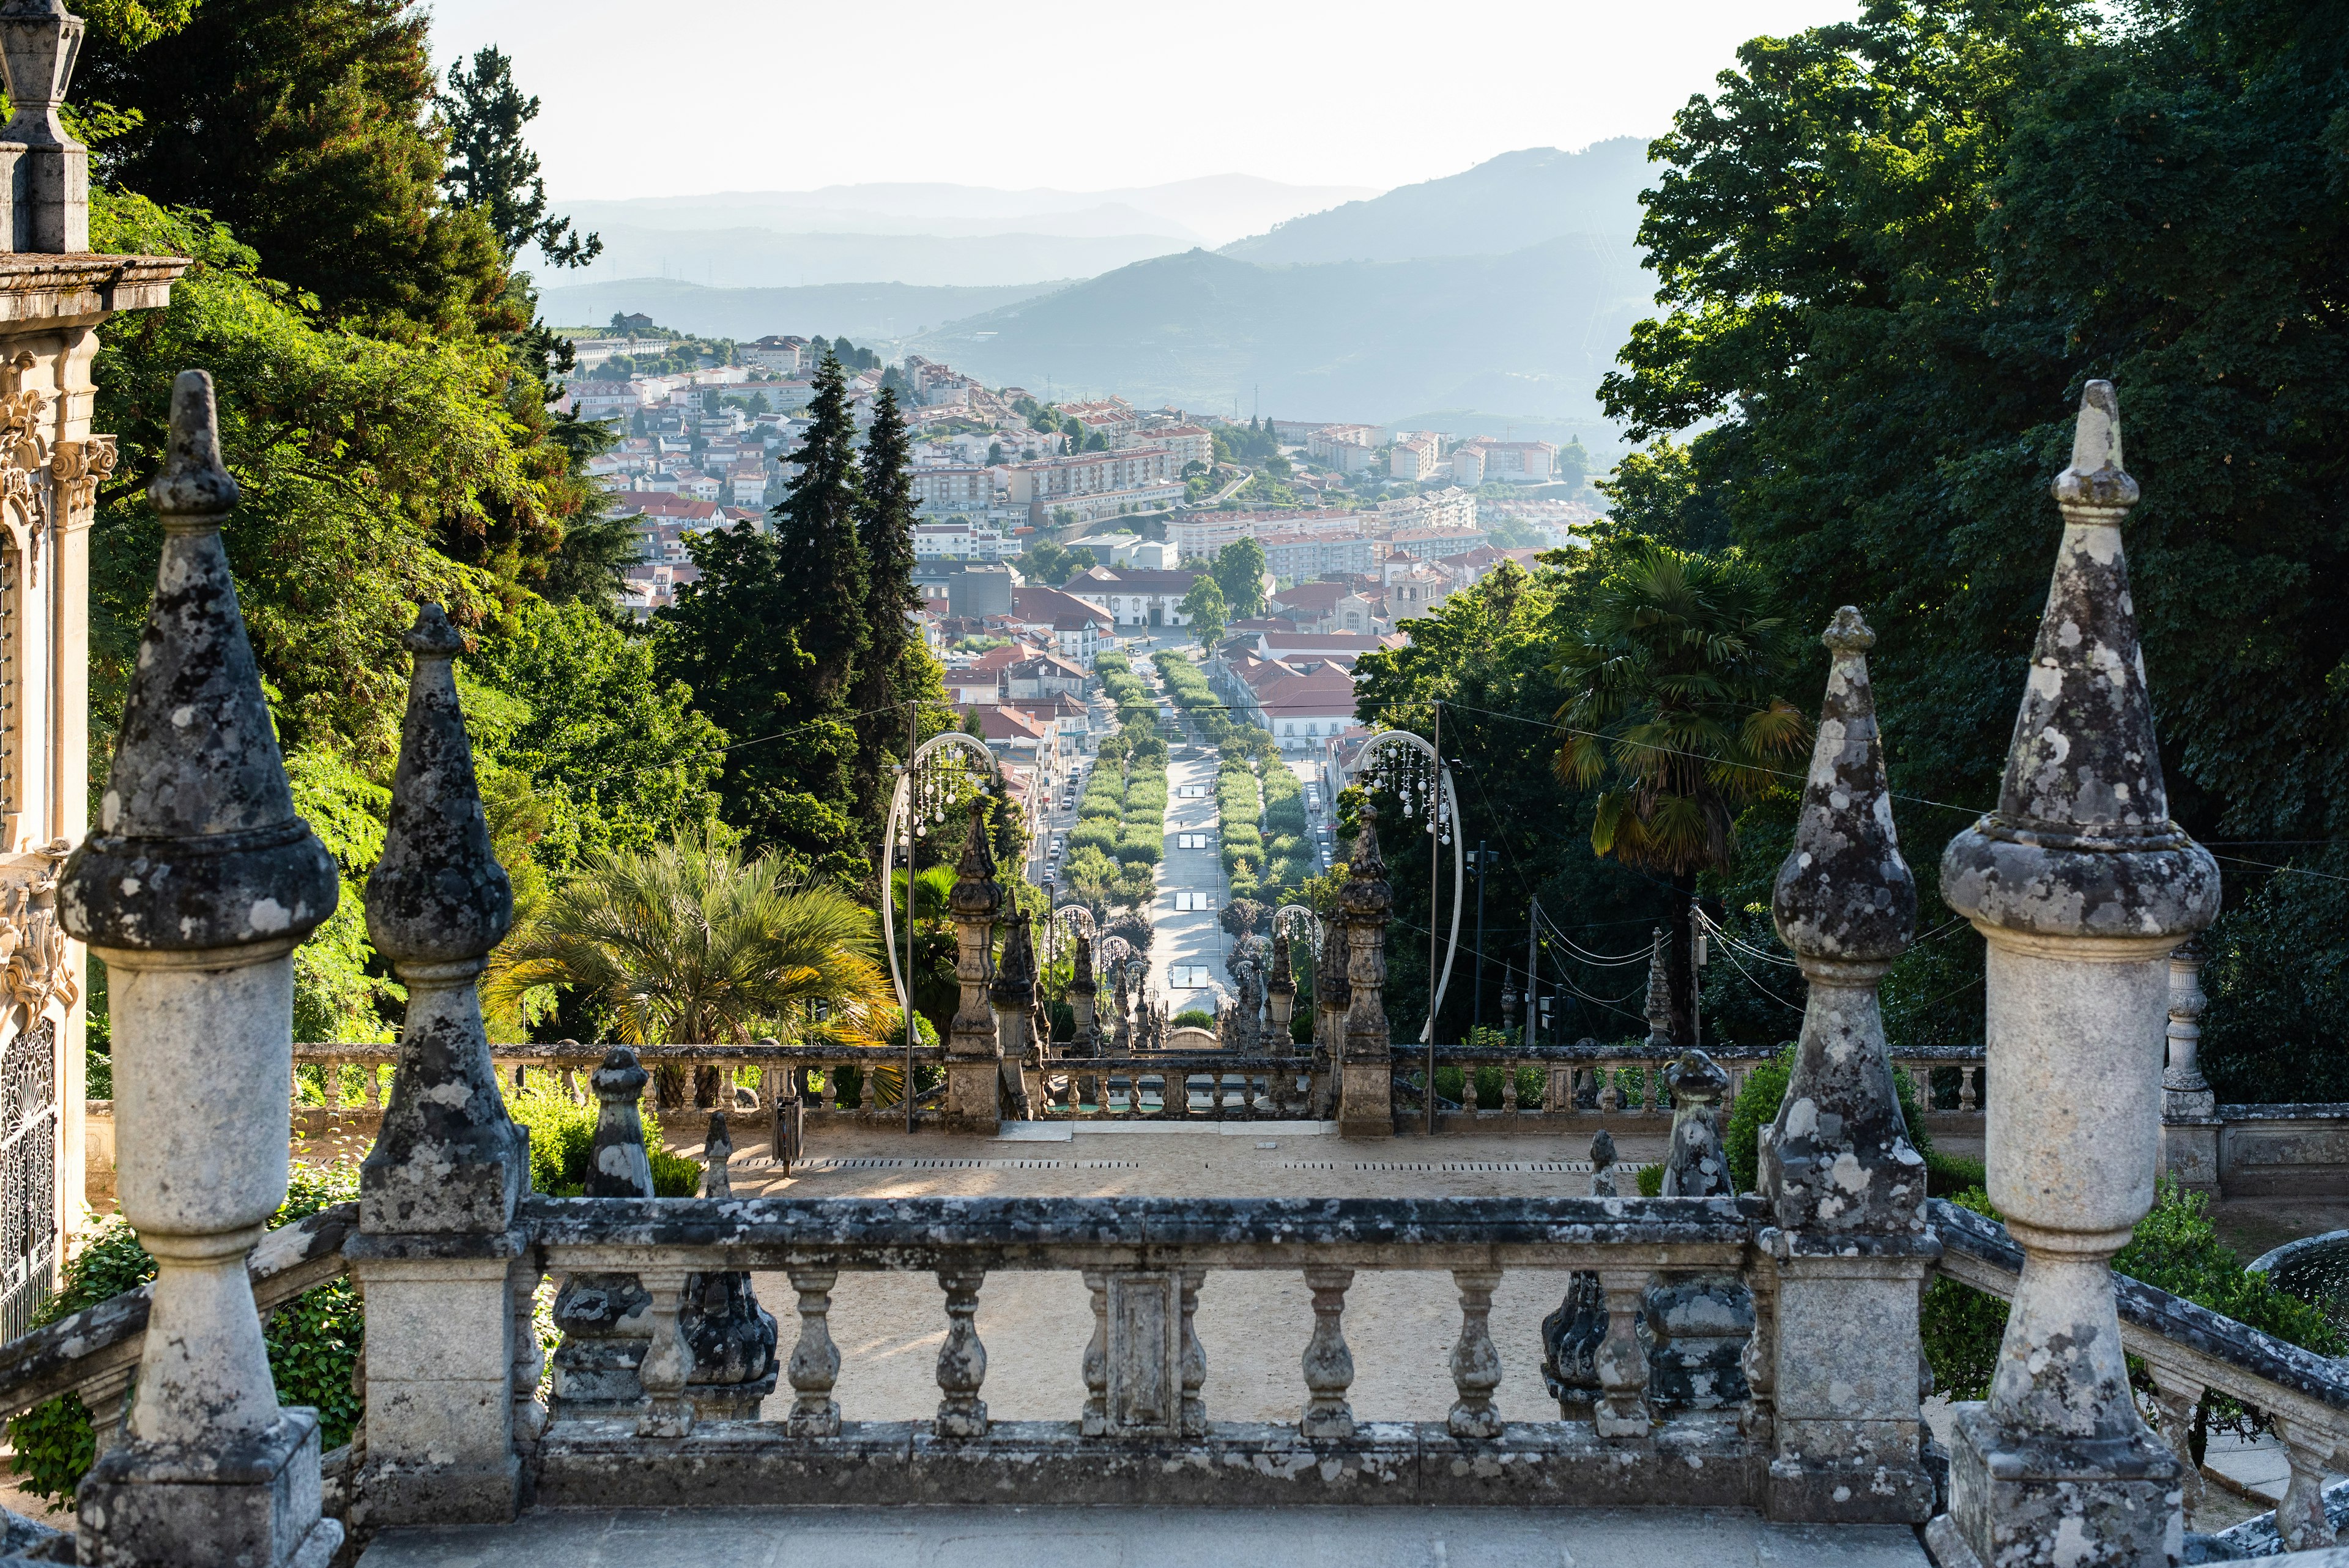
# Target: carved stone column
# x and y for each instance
(1280, 997)
(1085, 1041)
(438, 1244)
(1012, 996)
(2189, 1111)
(1366, 1077)
(1333, 999)
(2082, 886)
(1846, 1188)
(195, 890)
(974, 1052)
(1658, 1008)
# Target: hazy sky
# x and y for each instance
(711, 95)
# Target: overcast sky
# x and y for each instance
(697, 95)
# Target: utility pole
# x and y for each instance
(1478, 1013)
(1532, 969)
(1434, 864)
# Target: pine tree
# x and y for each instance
(896, 666)
(491, 166)
(816, 532)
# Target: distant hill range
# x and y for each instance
(875, 314)
(1503, 204)
(1497, 297)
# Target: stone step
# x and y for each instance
(1021, 1537)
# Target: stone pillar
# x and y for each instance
(1694, 1166)
(1121, 1037)
(48, 170)
(1659, 1006)
(1280, 997)
(2082, 885)
(195, 890)
(439, 1254)
(1012, 996)
(1085, 1040)
(2189, 1111)
(974, 1052)
(1846, 1188)
(1333, 998)
(605, 1318)
(1366, 1076)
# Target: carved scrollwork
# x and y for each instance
(76, 470)
(32, 969)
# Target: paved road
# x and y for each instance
(1189, 937)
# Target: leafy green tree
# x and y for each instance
(491, 166)
(1892, 250)
(307, 127)
(1673, 708)
(1239, 571)
(687, 941)
(1205, 604)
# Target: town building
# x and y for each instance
(1135, 597)
(956, 488)
(1096, 484)
(1414, 458)
(1485, 462)
(1294, 557)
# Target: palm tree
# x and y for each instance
(1671, 704)
(687, 941)
(936, 991)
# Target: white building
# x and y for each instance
(1413, 458)
(961, 542)
(952, 489)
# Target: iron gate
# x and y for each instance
(28, 1175)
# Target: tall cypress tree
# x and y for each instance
(896, 669)
(816, 532)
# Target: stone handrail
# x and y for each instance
(94, 1352)
(1143, 1433)
(1082, 1088)
(2190, 1350)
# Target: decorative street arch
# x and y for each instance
(942, 765)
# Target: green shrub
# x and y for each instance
(1088, 835)
(313, 1340)
(1192, 1018)
(1651, 1181)
(1758, 1103)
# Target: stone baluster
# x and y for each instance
(815, 1359)
(2177, 1397)
(1469, 1071)
(46, 168)
(1846, 1188)
(868, 1090)
(2081, 885)
(438, 1193)
(1329, 1365)
(1509, 1089)
(974, 1053)
(729, 1337)
(195, 888)
(1093, 1421)
(373, 1083)
(1366, 1077)
(666, 1370)
(1620, 1411)
(1195, 1356)
(2190, 1111)
(1759, 1361)
(1966, 1101)
(1609, 1098)
(830, 1097)
(2301, 1517)
(1475, 1364)
(962, 1359)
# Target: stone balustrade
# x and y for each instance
(1145, 1431)
(1631, 1081)
(1176, 1087)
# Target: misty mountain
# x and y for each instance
(929, 234)
(1503, 204)
(1528, 333)
(863, 312)
(755, 258)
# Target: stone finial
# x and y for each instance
(1603, 1164)
(1367, 894)
(1838, 1157)
(1508, 1006)
(39, 42)
(1659, 1009)
(1283, 980)
(976, 894)
(198, 846)
(1694, 1166)
(1081, 982)
(716, 1148)
(2082, 843)
(1845, 892)
(1015, 972)
(438, 895)
(618, 1166)
(1330, 987)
